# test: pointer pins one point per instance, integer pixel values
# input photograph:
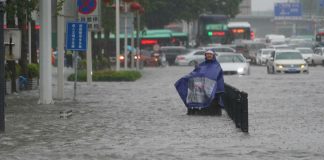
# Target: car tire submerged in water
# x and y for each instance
(313, 63)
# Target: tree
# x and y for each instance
(159, 13)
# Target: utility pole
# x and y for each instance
(2, 69)
(45, 52)
(60, 53)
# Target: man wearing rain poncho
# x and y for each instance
(201, 89)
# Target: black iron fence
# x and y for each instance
(236, 106)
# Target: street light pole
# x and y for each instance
(2, 69)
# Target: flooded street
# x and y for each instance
(146, 119)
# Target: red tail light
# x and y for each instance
(181, 58)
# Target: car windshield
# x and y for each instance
(230, 59)
(306, 51)
(289, 55)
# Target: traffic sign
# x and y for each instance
(86, 6)
(288, 10)
(76, 36)
(322, 3)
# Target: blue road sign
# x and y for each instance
(86, 6)
(288, 10)
(322, 3)
(76, 36)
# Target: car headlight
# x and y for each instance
(240, 70)
(302, 66)
(279, 66)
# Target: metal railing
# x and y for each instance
(236, 106)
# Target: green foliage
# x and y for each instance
(33, 70)
(108, 75)
(161, 12)
(82, 65)
(18, 70)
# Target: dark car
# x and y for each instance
(148, 58)
(171, 52)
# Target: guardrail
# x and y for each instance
(236, 106)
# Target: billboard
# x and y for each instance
(288, 10)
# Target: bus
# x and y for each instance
(240, 31)
(212, 29)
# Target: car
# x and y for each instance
(191, 58)
(263, 56)
(280, 46)
(318, 57)
(219, 49)
(171, 52)
(233, 63)
(249, 49)
(286, 61)
(148, 58)
(310, 57)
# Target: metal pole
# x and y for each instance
(117, 36)
(2, 70)
(132, 51)
(60, 54)
(75, 54)
(138, 50)
(89, 59)
(125, 36)
(45, 52)
(29, 43)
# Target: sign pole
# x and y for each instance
(89, 59)
(76, 40)
(75, 53)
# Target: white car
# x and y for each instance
(318, 57)
(219, 49)
(263, 55)
(233, 63)
(286, 61)
(191, 58)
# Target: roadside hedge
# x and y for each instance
(107, 76)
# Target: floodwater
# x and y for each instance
(146, 119)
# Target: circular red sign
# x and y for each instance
(86, 6)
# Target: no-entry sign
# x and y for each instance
(86, 6)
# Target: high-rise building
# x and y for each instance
(245, 7)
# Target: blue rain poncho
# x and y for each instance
(200, 87)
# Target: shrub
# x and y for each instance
(33, 70)
(18, 70)
(108, 75)
(82, 76)
(82, 64)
